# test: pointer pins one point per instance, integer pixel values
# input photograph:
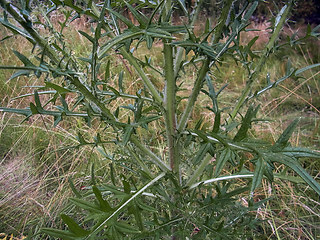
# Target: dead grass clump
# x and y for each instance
(22, 196)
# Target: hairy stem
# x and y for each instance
(170, 107)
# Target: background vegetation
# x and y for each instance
(37, 160)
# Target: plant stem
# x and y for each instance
(170, 107)
(193, 97)
(199, 170)
(142, 74)
(180, 50)
(280, 20)
(205, 68)
(35, 37)
(154, 158)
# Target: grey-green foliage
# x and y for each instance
(183, 193)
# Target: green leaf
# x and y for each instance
(139, 17)
(126, 187)
(127, 134)
(216, 125)
(86, 205)
(73, 188)
(295, 166)
(285, 136)
(258, 174)
(117, 40)
(183, 7)
(104, 205)
(87, 36)
(127, 202)
(74, 227)
(204, 148)
(81, 139)
(93, 179)
(107, 72)
(224, 156)
(20, 73)
(145, 207)
(120, 81)
(23, 59)
(246, 124)
(125, 20)
(33, 109)
(59, 234)
(300, 152)
(112, 174)
(59, 89)
(126, 228)
(37, 101)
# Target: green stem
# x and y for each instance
(170, 107)
(54, 57)
(199, 170)
(205, 68)
(140, 162)
(280, 20)
(142, 74)
(14, 12)
(154, 158)
(180, 51)
(193, 97)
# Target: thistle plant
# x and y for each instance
(189, 190)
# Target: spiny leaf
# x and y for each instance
(306, 68)
(216, 125)
(298, 152)
(122, 18)
(87, 36)
(204, 148)
(127, 134)
(126, 228)
(33, 108)
(20, 73)
(139, 17)
(117, 40)
(144, 206)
